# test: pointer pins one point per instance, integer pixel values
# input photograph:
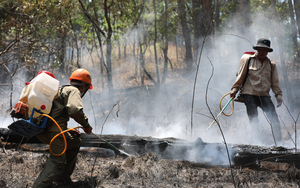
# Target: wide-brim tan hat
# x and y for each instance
(263, 43)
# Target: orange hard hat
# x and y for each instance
(82, 75)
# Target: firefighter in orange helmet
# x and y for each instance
(66, 104)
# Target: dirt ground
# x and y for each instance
(102, 168)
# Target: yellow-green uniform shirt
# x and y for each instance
(261, 77)
(68, 99)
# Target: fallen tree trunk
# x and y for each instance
(134, 144)
(255, 157)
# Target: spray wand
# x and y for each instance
(65, 141)
(114, 147)
(222, 110)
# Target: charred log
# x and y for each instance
(256, 157)
(134, 144)
(243, 156)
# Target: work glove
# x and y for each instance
(233, 94)
(279, 100)
(75, 132)
(88, 130)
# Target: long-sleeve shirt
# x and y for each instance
(68, 101)
(261, 77)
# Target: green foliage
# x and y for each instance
(264, 7)
(43, 25)
(227, 9)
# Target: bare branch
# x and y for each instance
(92, 19)
(137, 19)
(12, 43)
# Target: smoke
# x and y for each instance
(165, 111)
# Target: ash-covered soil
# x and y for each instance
(101, 168)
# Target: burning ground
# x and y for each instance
(98, 167)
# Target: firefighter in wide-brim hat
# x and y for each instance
(257, 76)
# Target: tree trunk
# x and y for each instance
(125, 45)
(9, 72)
(142, 63)
(102, 61)
(78, 54)
(284, 71)
(201, 11)
(217, 17)
(216, 28)
(294, 31)
(244, 17)
(76, 44)
(108, 62)
(119, 48)
(297, 12)
(166, 45)
(108, 37)
(176, 44)
(62, 50)
(186, 35)
(72, 53)
(155, 38)
(243, 23)
(134, 56)
(207, 16)
(198, 24)
(102, 65)
(11, 92)
(108, 47)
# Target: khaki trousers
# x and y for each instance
(58, 167)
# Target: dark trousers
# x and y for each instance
(58, 167)
(265, 103)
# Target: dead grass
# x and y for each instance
(20, 168)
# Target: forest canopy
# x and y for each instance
(130, 43)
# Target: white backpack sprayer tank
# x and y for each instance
(40, 93)
(37, 95)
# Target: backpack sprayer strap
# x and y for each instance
(62, 113)
(57, 117)
(248, 71)
(240, 97)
